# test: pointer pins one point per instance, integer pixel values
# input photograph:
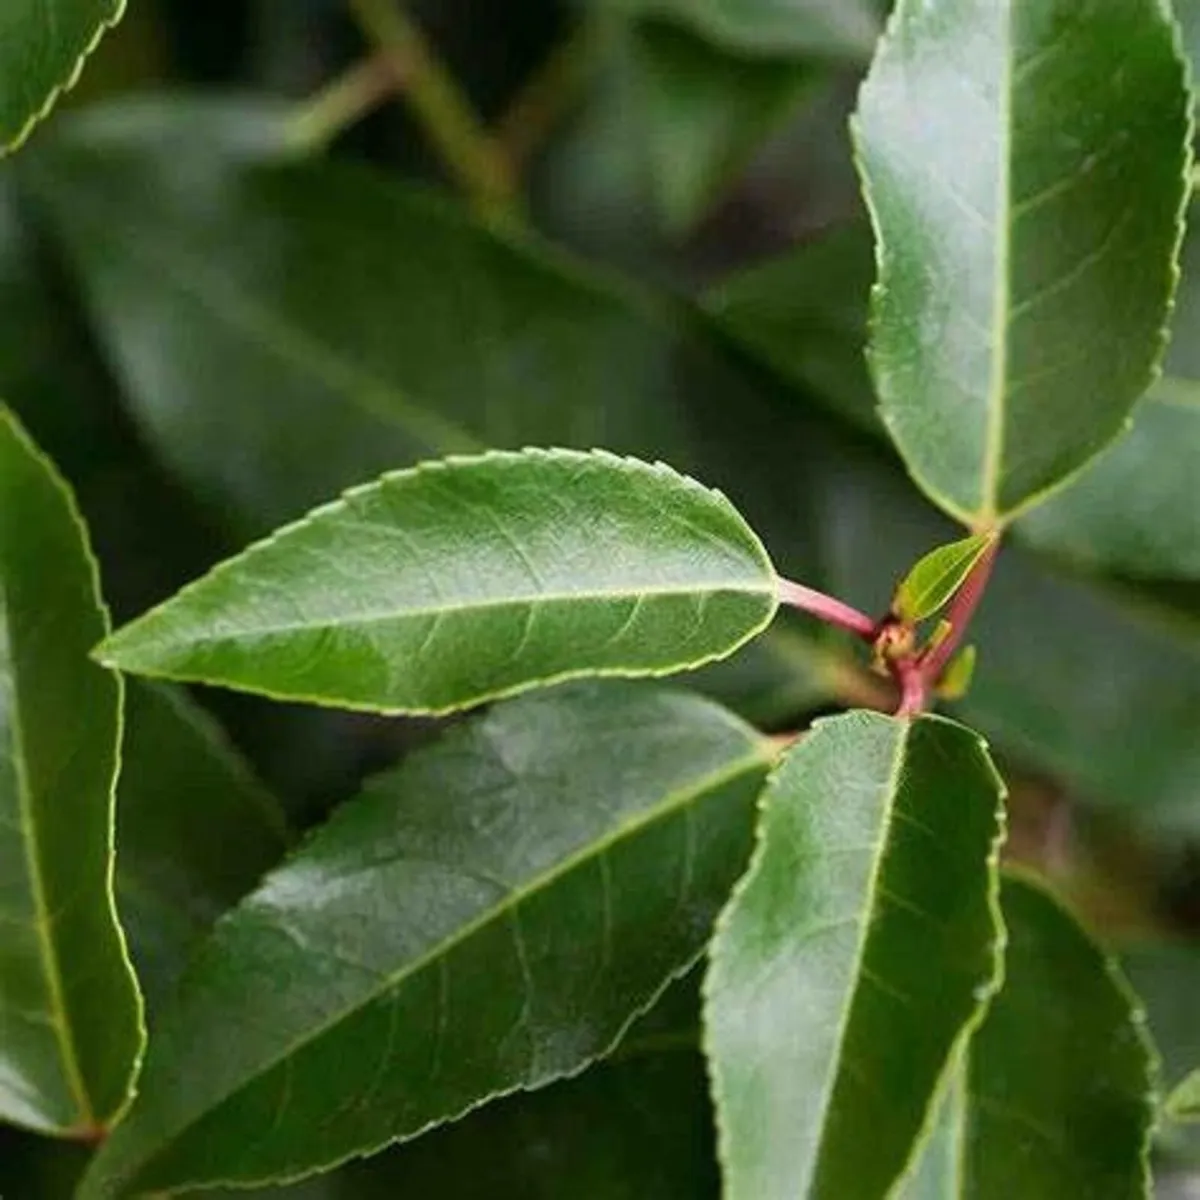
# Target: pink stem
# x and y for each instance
(962, 609)
(827, 609)
(914, 692)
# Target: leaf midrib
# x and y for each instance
(763, 753)
(892, 783)
(42, 924)
(704, 589)
(993, 449)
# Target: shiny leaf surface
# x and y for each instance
(488, 916)
(42, 47)
(1026, 165)
(1053, 1097)
(70, 1015)
(458, 582)
(857, 950)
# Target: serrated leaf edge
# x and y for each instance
(65, 85)
(761, 754)
(983, 520)
(64, 1034)
(103, 653)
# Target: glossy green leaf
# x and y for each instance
(856, 952)
(42, 47)
(804, 312)
(385, 324)
(1053, 1097)
(704, 114)
(196, 830)
(488, 916)
(457, 582)
(1183, 1104)
(937, 576)
(836, 28)
(1026, 165)
(636, 1124)
(70, 1015)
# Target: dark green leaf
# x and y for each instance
(487, 917)
(457, 582)
(704, 113)
(384, 324)
(805, 313)
(1183, 1104)
(859, 947)
(637, 1124)
(1053, 1098)
(42, 47)
(70, 1015)
(936, 578)
(197, 831)
(1026, 166)
(837, 28)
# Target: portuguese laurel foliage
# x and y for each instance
(644, 918)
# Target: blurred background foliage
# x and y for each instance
(212, 320)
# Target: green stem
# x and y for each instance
(449, 120)
(318, 121)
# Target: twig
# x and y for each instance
(318, 121)
(439, 103)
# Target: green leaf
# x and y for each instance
(705, 113)
(42, 47)
(462, 581)
(1132, 511)
(778, 28)
(936, 578)
(487, 917)
(196, 829)
(637, 1124)
(70, 1015)
(1053, 1098)
(1183, 1104)
(1026, 165)
(804, 313)
(227, 289)
(856, 952)
(956, 681)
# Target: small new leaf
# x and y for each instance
(956, 681)
(1183, 1104)
(935, 579)
(466, 580)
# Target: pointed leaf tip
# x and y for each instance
(935, 579)
(469, 579)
